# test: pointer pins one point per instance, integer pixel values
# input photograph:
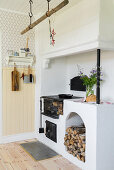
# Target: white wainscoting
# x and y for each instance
(18, 107)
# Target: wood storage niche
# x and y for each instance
(75, 137)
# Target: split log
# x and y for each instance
(69, 137)
(83, 158)
(82, 150)
(83, 154)
(76, 152)
(79, 145)
(70, 152)
(71, 142)
(80, 141)
(65, 138)
(79, 156)
(55, 104)
(69, 130)
(82, 136)
(84, 145)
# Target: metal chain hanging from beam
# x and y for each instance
(30, 13)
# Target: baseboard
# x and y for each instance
(17, 137)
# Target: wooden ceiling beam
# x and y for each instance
(48, 14)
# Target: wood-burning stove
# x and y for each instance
(51, 131)
(52, 106)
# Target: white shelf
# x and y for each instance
(20, 61)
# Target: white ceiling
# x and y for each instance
(39, 6)
(23, 5)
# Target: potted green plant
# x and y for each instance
(89, 81)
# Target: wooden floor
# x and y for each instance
(13, 157)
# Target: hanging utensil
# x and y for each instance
(15, 79)
(29, 77)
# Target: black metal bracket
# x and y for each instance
(98, 76)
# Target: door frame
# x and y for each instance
(0, 86)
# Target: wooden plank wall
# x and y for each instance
(18, 107)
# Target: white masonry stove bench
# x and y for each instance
(99, 124)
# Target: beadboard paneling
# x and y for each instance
(18, 107)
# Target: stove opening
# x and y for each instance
(51, 131)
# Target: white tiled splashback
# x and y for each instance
(11, 24)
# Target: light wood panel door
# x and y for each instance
(18, 106)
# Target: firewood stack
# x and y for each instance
(75, 142)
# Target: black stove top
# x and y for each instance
(61, 97)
